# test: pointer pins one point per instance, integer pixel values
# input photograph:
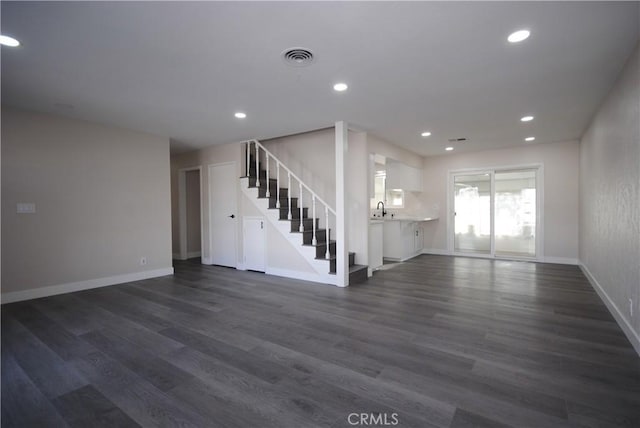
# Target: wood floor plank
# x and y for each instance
(438, 341)
(50, 373)
(145, 364)
(87, 407)
(142, 402)
(23, 405)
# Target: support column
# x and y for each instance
(342, 244)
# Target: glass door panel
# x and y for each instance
(472, 207)
(515, 213)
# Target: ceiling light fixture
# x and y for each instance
(426, 134)
(340, 87)
(518, 36)
(529, 138)
(240, 115)
(8, 41)
(526, 119)
(449, 149)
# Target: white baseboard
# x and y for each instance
(52, 290)
(628, 330)
(561, 260)
(294, 274)
(176, 256)
(435, 251)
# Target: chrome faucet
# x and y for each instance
(384, 213)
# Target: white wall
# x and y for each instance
(358, 196)
(561, 170)
(413, 201)
(102, 202)
(311, 156)
(610, 199)
(192, 184)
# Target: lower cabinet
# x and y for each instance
(376, 231)
(402, 239)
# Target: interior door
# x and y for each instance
(472, 213)
(223, 210)
(253, 229)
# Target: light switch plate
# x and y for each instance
(26, 208)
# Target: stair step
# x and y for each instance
(333, 260)
(284, 203)
(263, 181)
(357, 274)
(307, 236)
(295, 214)
(307, 222)
(321, 249)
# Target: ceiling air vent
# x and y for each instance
(298, 57)
(457, 140)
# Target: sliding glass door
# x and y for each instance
(515, 213)
(495, 213)
(472, 213)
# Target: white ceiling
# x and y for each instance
(182, 69)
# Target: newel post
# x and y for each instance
(342, 252)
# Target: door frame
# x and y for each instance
(539, 167)
(182, 211)
(211, 208)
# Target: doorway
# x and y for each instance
(190, 212)
(496, 213)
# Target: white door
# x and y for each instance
(254, 243)
(223, 210)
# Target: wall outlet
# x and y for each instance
(631, 307)
(143, 261)
(26, 208)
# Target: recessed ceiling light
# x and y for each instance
(529, 138)
(449, 149)
(518, 36)
(340, 87)
(240, 115)
(9, 41)
(526, 119)
(426, 134)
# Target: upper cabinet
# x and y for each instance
(405, 177)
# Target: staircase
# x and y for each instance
(274, 197)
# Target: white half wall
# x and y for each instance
(610, 200)
(102, 203)
(560, 203)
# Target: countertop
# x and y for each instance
(401, 218)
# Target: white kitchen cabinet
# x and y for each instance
(402, 239)
(405, 177)
(376, 232)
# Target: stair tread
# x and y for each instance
(353, 268)
(335, 257)
(308, 231)
(319, 244)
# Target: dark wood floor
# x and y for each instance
(438, 341)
